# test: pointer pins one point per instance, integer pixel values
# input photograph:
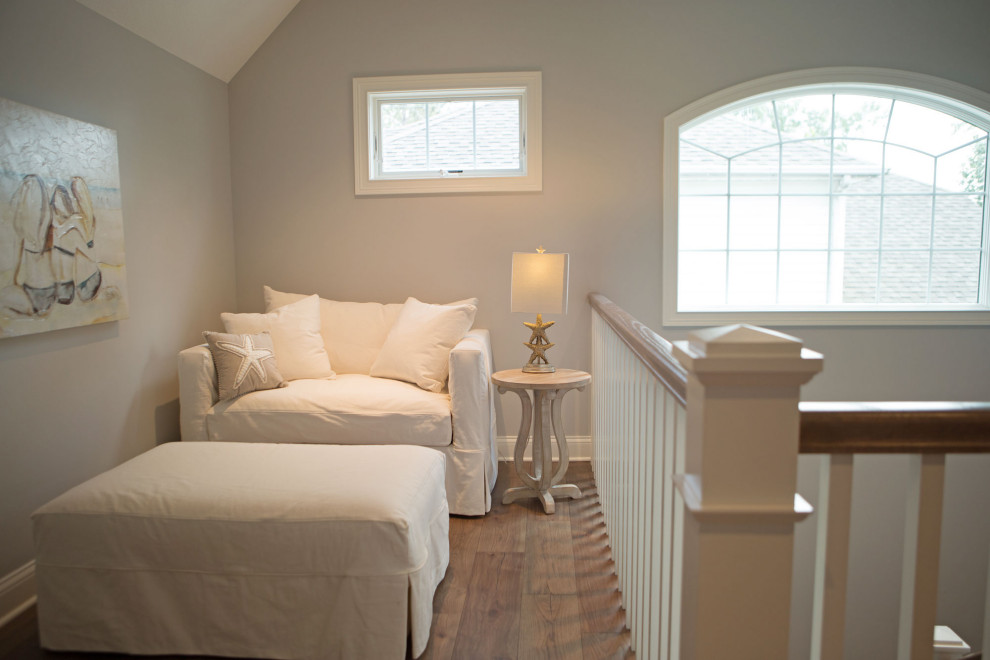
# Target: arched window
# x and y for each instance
(829, 196)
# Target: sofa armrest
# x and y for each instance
(472, 398)
(197, 391)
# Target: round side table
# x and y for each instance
(547, 390)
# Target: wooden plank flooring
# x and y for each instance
(520, 584)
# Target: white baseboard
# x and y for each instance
(579, 448)
(17, 593)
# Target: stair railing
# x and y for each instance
(639, 418)
(695, 448)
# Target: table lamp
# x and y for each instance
(539, 284)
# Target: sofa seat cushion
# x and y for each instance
(354, 409)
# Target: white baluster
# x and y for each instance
(620, 538)
(634, 531)
(643, 524)
(596, 403)
(642, 548)
(627, 485)
(662, 521)
(832, 558)
(634, 446)
(624, 481)
(922, 538)
(654, 511)
(986, 620)
(615, 446)
(676, 507)
(610, 441)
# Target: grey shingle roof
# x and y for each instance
(909, 224)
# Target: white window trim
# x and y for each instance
(966, 98)
(531, 180)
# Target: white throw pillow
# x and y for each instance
(418, 346)
(353, 332)
(295, 330)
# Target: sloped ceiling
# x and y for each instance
(217, 36)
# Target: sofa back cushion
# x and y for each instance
(353, 333)
(295, 331)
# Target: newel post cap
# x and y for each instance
(744, 341)
(745, 348)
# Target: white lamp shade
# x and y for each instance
(539, 283)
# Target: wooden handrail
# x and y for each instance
(895, 427)
(654, 351)
(890, 427)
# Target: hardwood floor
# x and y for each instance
(520, 584)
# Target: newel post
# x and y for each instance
(739, 490)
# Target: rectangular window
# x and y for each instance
(450, 133)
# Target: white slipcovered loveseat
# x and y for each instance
(350, 406)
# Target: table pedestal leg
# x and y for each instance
(543, 482)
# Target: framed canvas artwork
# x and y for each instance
(61, 226)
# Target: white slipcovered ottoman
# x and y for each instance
(247, 550)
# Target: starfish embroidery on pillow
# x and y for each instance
(251, 359)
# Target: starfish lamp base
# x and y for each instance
(539, 344)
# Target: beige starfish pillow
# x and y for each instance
(244, 363)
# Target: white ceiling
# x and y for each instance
(217, 36)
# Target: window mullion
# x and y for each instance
(931, 233)
(831, 209)
(376, 138)
(983, 290)
(728, 227)
(426, 129)
(890, 117)
(960, 147)
(883, 198)
(780, 192)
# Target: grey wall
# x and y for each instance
(611, 72)
(76, 402)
